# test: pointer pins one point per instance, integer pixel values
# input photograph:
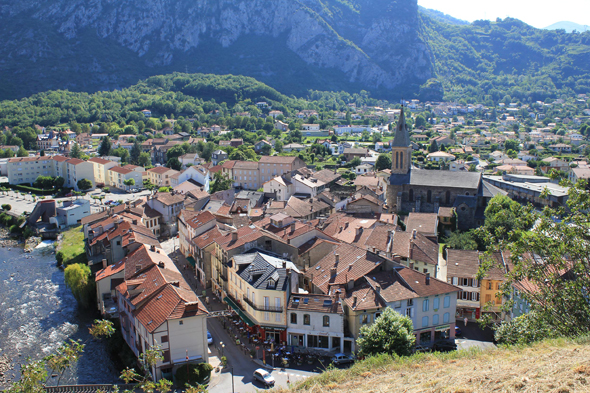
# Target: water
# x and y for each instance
(38, 313)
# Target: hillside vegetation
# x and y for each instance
(549, 366)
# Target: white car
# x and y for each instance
(263, 376)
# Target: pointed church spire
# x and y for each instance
(401, 139)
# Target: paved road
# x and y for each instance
(243, 366)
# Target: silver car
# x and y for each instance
(264, 377)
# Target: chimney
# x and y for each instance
(413, 234)
(353, 300)
(134, 222)
(284, 264)
(234, 236)
(104, 264)
(333, 272)
(337, 258)
(337, 296)
(161, 265)
(345, 225)
(378, 288)
(350, 284)
(427, 278)
(358, 231)
(293, 226)
(153, 248)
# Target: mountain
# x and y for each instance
(294, 45)
(388, 48)
(568, 27)
(441, 16)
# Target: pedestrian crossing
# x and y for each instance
(291, 375)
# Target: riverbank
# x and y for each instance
(6, 239)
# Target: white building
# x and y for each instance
(315, 321)
(72, 212)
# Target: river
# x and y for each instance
(38, 312)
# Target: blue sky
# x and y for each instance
(536, 13)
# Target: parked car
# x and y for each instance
(209, 338)
(341, 358)
(422, 348)
(444, 346)
(70, 194)
(458, 331)
(264, 377)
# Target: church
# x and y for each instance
(413, 189)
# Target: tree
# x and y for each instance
(356, 161)
(144, 159)
(383, 162)
(76, 152)
(505, 218)
(44, 182)
(433, 147)
(279, 146)
(512, 144)
(135, 153)
(522, 330)
(420, 122)
(391, 333)
(552, 257)
(462, 241)
(377, 137)
(22, 152)
(222, 182)
(266, 150)
(79, 279)
(174, 163)
(175, 152)
(129, 182)
(105, 147)
(84, 184)
(238, 155)
(59, 182)
(6, 207)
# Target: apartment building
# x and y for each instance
(260, 287)
(25, 170)
(117, 176)
(160, 176)
(100, 167)
(156, 306)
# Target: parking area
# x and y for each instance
(472, 335)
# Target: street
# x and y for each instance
(474, 336)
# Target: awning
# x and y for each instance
(237, 309)
(192, 261)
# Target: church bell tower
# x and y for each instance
(401, 150)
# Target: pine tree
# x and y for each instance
(76, 152)
(135, 152)
(105, 147)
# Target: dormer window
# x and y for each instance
(271, 283)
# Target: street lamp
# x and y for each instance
(232, 379)
(222, 346)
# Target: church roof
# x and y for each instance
(435, 178)
(402, 138)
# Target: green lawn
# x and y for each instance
(72, 246)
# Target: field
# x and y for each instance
(72, 246)
(550, 366)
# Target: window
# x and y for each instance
(410, 312)
(164, 339)
(294, 318)
(364, 319)
(278, 307)
(447, 301)
(397, 304)
(306, 319)
(181, 322)
(435, 319)
(424, 321)
(166, 355)
(410, 302)
(326, 321)
(446, 317)
(448, 197)
(429, 196)
(436, 303)
(425, 305)
(411, 195)
(267, 316)
(490, 285)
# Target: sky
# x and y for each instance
(536, 13)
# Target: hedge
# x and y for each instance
(33, 190)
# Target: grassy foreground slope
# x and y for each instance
(550, 366)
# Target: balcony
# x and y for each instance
(258, 307)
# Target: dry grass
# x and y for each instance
(550, 366)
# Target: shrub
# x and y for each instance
(59, 257)
(524, 329)
(6, 207)
(198, 374)
(80, 280)
(15, 229)
(28, 232)
(391, 333)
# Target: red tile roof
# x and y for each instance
(99, 160)
(75, 161)
(160, 169)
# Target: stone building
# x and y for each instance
(420, 190)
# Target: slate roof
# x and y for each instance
(401, 138)
(433, 178)
(257, 268)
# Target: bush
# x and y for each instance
(81, 282)
(6, 207)
(198, 374)
(37, 191)
(28, 232)
(391, 333)
(15, 229)
(524, 329)
(5, 219)
(59, 257)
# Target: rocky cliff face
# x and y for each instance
(90, 44)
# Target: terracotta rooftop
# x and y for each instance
(159, 169)
(315, 302)
(423, 222)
